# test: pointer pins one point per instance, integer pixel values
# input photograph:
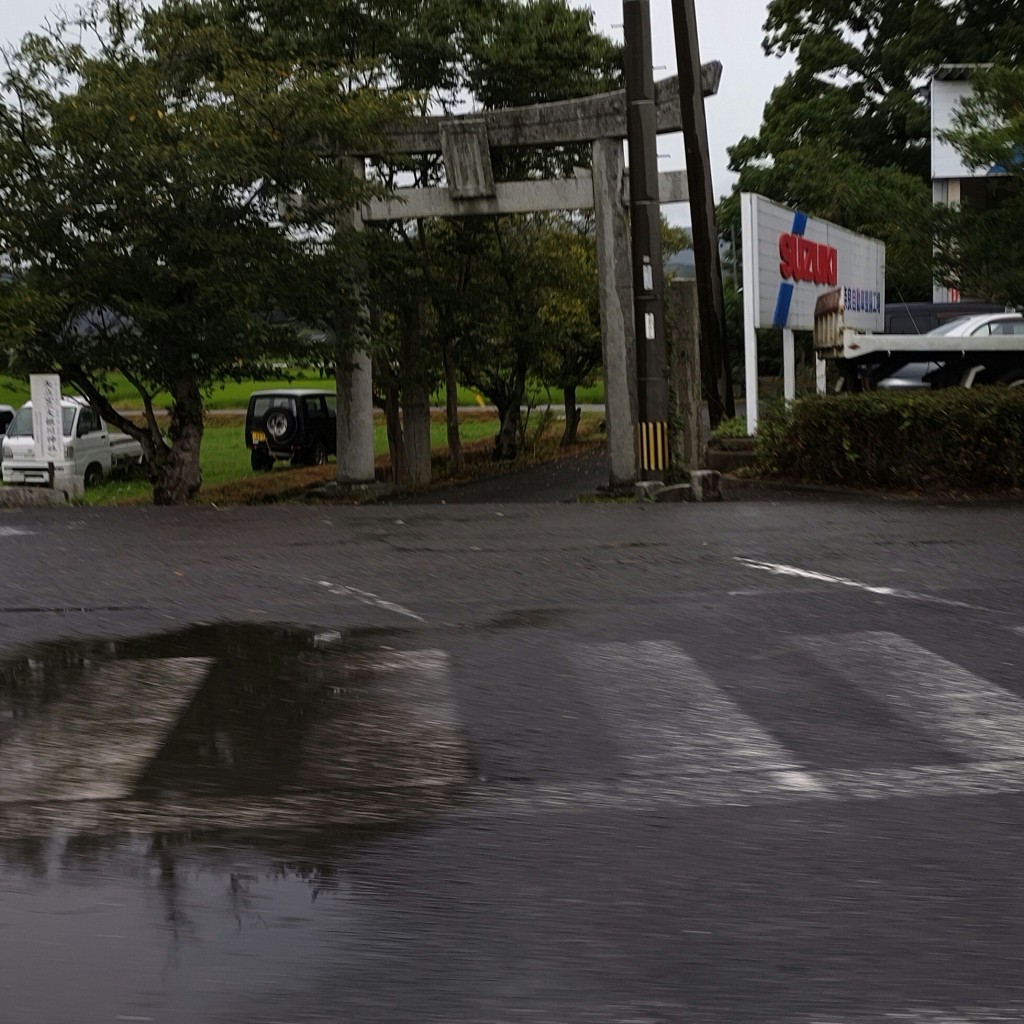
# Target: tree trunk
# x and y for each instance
(451, 392)
(572, 416)
(396, 439)
(506, 444)
(416, 429)
(176, 473)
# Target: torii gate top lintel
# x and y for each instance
(565, 121)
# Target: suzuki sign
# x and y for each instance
(789, 259)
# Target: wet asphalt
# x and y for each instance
(505, 762)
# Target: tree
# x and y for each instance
(862, 69)
(980, 248)
(569, 313)
(513, 54)
(496, 316)
(846, 135)
(145, 157)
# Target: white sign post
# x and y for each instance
(47, 426)
(789, 259)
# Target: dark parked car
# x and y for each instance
(924, 317)
(296, 425)
(6, 415)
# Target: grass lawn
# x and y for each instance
(234, 395)
(228, 394)
(225, 459)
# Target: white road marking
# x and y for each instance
(964, 712)
(422, 680)
(389, 719)
(743, 789)
(15, 531)
(799, 780)
(409, 797)
(921, 1015)
(688, 743)
(778, 569)
(673, 718)
(94, 742)
(365, 597)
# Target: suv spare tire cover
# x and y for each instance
(279, 425)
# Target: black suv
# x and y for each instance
(297, 425)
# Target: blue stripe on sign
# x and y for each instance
(782, 305)
(799, 223)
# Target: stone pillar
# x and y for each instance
(618, 340)
(355, 392)
(355, 420)
(687, 433)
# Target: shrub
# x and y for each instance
(933, 441)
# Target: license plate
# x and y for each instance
(257, 436)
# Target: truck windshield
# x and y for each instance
(21, 425)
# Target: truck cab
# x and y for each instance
(89, 451)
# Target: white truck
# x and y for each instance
(986, 348)
(91, 451)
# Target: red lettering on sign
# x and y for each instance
(786, 266)
(800, 259)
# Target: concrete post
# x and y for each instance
(749, 314)
(618, 341)
(355, 420)
(788, 365)
(819, 375)
(688, 435)
(355, 393)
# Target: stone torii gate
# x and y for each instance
(464, 142)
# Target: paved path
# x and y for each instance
(561, 763)
(557, 481)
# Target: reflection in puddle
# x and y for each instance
(178, 813)
(223, 728)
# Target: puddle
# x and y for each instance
(227, 725)
(184, 818)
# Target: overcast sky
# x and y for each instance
(729, 30)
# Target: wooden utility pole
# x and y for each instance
(645, 229)
(717, 375)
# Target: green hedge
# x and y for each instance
(934, 441)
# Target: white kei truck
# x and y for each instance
(90, 452)
(985, 348)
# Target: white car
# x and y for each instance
(978, 328)
(90, 453)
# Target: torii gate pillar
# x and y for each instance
(355, 391)
(615, 283)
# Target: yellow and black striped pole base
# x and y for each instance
(652, 446)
